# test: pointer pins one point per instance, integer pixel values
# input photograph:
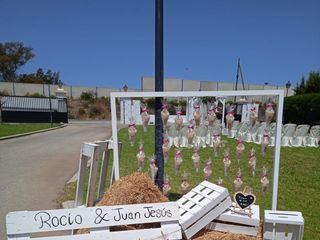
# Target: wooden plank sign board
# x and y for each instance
(284, 225)
(238, 223)
(98, 219)
(201, 206)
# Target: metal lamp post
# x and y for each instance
(125, 89)
(288, 85)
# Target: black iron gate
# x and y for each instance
(33, 110)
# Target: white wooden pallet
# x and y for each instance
(21, 225)
(238, 223)
(283, 225)
(201, 206)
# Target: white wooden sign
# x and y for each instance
(101, 218)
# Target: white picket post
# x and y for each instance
(86, 153)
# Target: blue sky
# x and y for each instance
(111, 43)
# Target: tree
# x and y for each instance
(40, 77)
(311, 85)
(301, 88)
(12, 56)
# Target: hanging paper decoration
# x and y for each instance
(238, 181)
(132, 131)
(184, 183)
(216, 143)
(264, 143)
(153, 167)
(253, 117)
(145, 117)
(211, 116)
(264, 180)
(166, 148)
(269, 112)
(197, 114)
(165, 115)
(140, 157)
(178, 160)
(208, 169)
(240, 149)
(226, 162)
(253, 161)
(196, 158)
(190, 133)
(230, 117)
(166, 186)
(178, 120)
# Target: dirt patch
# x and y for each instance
(94, 109)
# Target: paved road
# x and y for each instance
(35, 168)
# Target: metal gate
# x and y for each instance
(33, 110)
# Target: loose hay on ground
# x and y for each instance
(212, 235)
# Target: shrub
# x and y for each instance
(81, 112)
(4, 93)
(302, 109)
(71, 115)
(95, 110)
(105, 100)
(87, 96)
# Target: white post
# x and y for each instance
(115, 168)
(277, 151)
(223, 112)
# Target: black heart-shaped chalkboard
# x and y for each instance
(244, 200)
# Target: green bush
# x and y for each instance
(105, 100)
(87, 96)
(4, 93)
(302, 109)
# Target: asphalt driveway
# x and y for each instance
(35, 168)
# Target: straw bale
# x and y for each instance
(133, 189)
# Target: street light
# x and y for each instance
(125, 89)
(288, 85)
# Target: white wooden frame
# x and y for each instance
(275, 93)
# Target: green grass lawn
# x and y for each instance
(12, 129)
(299, 188)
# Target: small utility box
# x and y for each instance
(283, 225)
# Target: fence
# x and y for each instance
(147, 84)
(23, 89)
(36, 110)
